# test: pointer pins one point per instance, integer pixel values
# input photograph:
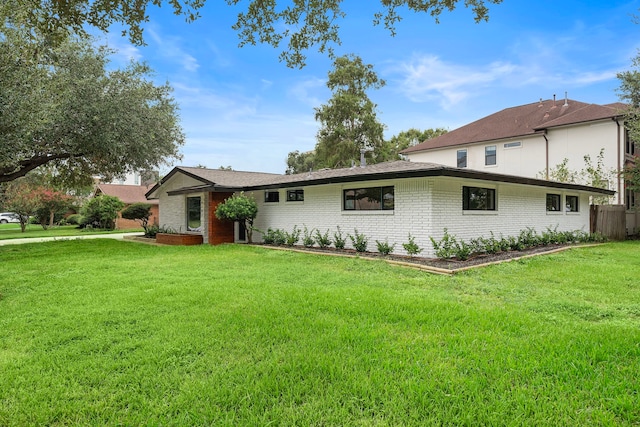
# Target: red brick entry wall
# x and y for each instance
(219, 231)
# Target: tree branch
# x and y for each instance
(26, 166)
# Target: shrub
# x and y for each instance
(463, 250)
(411, 247)
(359, 241)
(307, 238)
(384, 248)
(292, 238)
(444, 248)
(323, 240)
(102, 211)
(274, 237)
(75, 219)
(151, 231)
(339, 241)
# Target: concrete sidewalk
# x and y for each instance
(117, 236)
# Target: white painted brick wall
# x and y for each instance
(173, 209)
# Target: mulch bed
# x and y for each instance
(435, 265)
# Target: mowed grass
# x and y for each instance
(117, 333)
(13, 231)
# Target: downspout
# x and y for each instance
(619, 165)
(546, 149)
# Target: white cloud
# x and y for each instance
(305, 91)
(427, 78)
(169, 47)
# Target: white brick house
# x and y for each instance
(531, 140)
(385, 201)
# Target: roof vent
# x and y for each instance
(566, 101)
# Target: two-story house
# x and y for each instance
(532, 140)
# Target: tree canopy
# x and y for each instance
(239, 207)
(405, 139)
(60, 106)
(300, 24)
(348, 121)
(629, 92)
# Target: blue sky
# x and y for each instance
(241, 107)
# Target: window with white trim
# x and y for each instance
(462, 158)
(490, 157)
(194, 219)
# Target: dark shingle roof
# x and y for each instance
(221, 180)
(522, 121)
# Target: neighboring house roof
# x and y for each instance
(127, 193)
(218, 180)
(521, 121)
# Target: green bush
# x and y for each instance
(359, 241)
(444, 248)
(339, 241)
(101, 211)
(75, 219)
(293, 237)
(323, 240)
(307, 238)
(384, 248)
(411, 246)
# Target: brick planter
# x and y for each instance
(179, 239)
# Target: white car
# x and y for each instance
(6, 217)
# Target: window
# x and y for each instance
(553, 203)
(462, 158)
(295, 195)
(478, 199)
(490, 155)
(513, 144)
(271, 196)
(630, 146)
(630, 199)
(369, 199)
(571, 203)
(194, 222)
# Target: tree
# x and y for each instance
(139, 212)
(241, 208)
(102, 211)
(298, 162)
(348, 122)
(629, 92)
(21, 197)
(51, 203)
(69, 112)
(301, 24)
(405, 139)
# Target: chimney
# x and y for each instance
(566, 100)
(363, 161)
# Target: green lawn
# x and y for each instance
(12, 231)
(108, 332)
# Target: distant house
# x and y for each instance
(531, 140)
(385, 201)
(129, 194)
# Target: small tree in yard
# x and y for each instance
(52, 202)
(139, 212)
(241, 208)
(102, 210)
(22, 198)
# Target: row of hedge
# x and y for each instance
(447, 247)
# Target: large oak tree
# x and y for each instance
(61, 106)
(298, 24)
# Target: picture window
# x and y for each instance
(369, 199)
(194, 220)
(478, 199)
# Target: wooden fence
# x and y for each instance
(608, 220)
